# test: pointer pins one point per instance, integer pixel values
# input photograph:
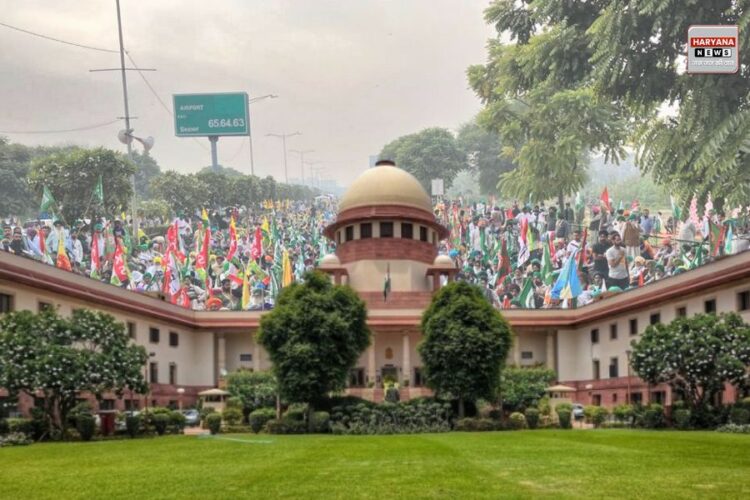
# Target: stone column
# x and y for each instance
(256, 353)
(221, 355)
(550, 357)
(371, 361)
(406, 362)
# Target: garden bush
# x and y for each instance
(682, 418)
(237, 429)
(204, 413)
(392, 395)
(735, 429)
(417, 415)
(86, 426)
(623, 413)
(321, 422)
(232, 416)
(177, 422)
(132, 425)
(295, 412)
(21, 425)
(563, 416)
(160, 422)
(517, 421)
(532, 417)
(472, 424)
(739, 415)
(213, 421)
(286, 426)
(259, 417)
(599, 416)
(82, 408)
(14, 439)
(653, 416)
(4, 427)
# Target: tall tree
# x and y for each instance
(255, 389)
(465, 344)
(61, 357)
(430, 154)
(535, 94)
(184, 193)
(15, 194)
(696, 356)
(146, 169)
(523, 387)
(314, 336)
(72, 176)
(483, 150)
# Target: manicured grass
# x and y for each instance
(548, 463)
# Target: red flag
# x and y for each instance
(256, 251)
(201, 260)
(605, 198)
(506, 302)
(524, 229)
(232, 240)
(583, 256)
(181, 298)
(551, 243)
(503, 262)
(118, 263)
(62, 257)
(95, 258)
(640, 277)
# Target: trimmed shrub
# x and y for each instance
(161, 422)
(623, 413)
(739, 416)
(82, 408)
(132, 425)
(213, 421)
(418, 415)
(321, 422)
(682, 419)
(563, 416)
(476, 425)
(295, 412)
(745, 403)
(735, 429)
(286, 426)
(232, 416)
(86, 426)
(14, 439)
(234, 402)
(236, 429)
(532, 417)
(21, 425)
(392, 395)
(204, 413)
(259, 417)
(4, 427)
(177, 422)
(599, 416)
(653, 416)
(517, 421)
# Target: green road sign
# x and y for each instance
(211, 114)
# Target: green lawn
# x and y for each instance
(548, 463)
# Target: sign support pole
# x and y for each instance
(213, 139)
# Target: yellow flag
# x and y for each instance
(264, 227)
(286, 270)
(245, 290)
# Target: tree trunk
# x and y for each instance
(461, 411)
(560, 203)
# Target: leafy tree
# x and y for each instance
(255, 389)
(702, 145)
(15, 195)
(536, 97)
(483, 150)
(155, 207)
(314, 336)
(218, 188)
(465, 344)
(696, 356)
(184, 193)
(430, 154)
(228, 171)
(268, 188)
(146, 170)
(245, 190)
(72, 176)
(60, 357)
(522, 388)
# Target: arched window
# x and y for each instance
(388, 353)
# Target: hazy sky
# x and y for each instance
(351, 75)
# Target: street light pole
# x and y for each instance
(250, 135)
(283, 144)
(301, 154)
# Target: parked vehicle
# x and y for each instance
(192, 417)
(578, 411)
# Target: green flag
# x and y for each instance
(99, 191)
(47, 200)
(676, 212)
(547, 269)
(526, 297)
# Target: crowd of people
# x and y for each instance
(521, 256)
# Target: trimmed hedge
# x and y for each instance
(517, 421)
(260, 417)
(213, 421)
(532, 417)
(682, 419)
(86, 426)
(286, 426)
(477, 425)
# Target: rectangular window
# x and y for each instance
(418, 380)
(153, 335)
(407, 231)
(422, 233)
(614, 368)
(131, 329)
(634, 326)
(44, 306)
(613, 331)
(682, 312)
(743, 301)
(527, 355)
(6, 303)
(614, 398)
(357, 377)
(246, 358)
(386, 229)
(132, 404)
(153, 372)
(596, 400)
(595, 370)
(710, 306)
(658, 397)
(174, 339)
(349, 233)
(595, 336)
(636, 398)
(107, 404)
(173, 373)
(655, 318)
(365, 231)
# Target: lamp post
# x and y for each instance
(283, 138)
(250, 135)
(627, 396)
(301, 154)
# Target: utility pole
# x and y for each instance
(250, 135)
(283, 138)
(301, 154)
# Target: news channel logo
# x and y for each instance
(713, 49)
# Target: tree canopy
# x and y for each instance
(483, 150)
(465, 344)
(255, 389)
(314, 336)
(432, 153)
(696, 356)
(523, 387)
(61, 357)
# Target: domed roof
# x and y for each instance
(386, 185)
(330, 260)
(443, 261)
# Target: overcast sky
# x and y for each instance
(351, 75)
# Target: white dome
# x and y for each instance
(330, 260)
(444, 261)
